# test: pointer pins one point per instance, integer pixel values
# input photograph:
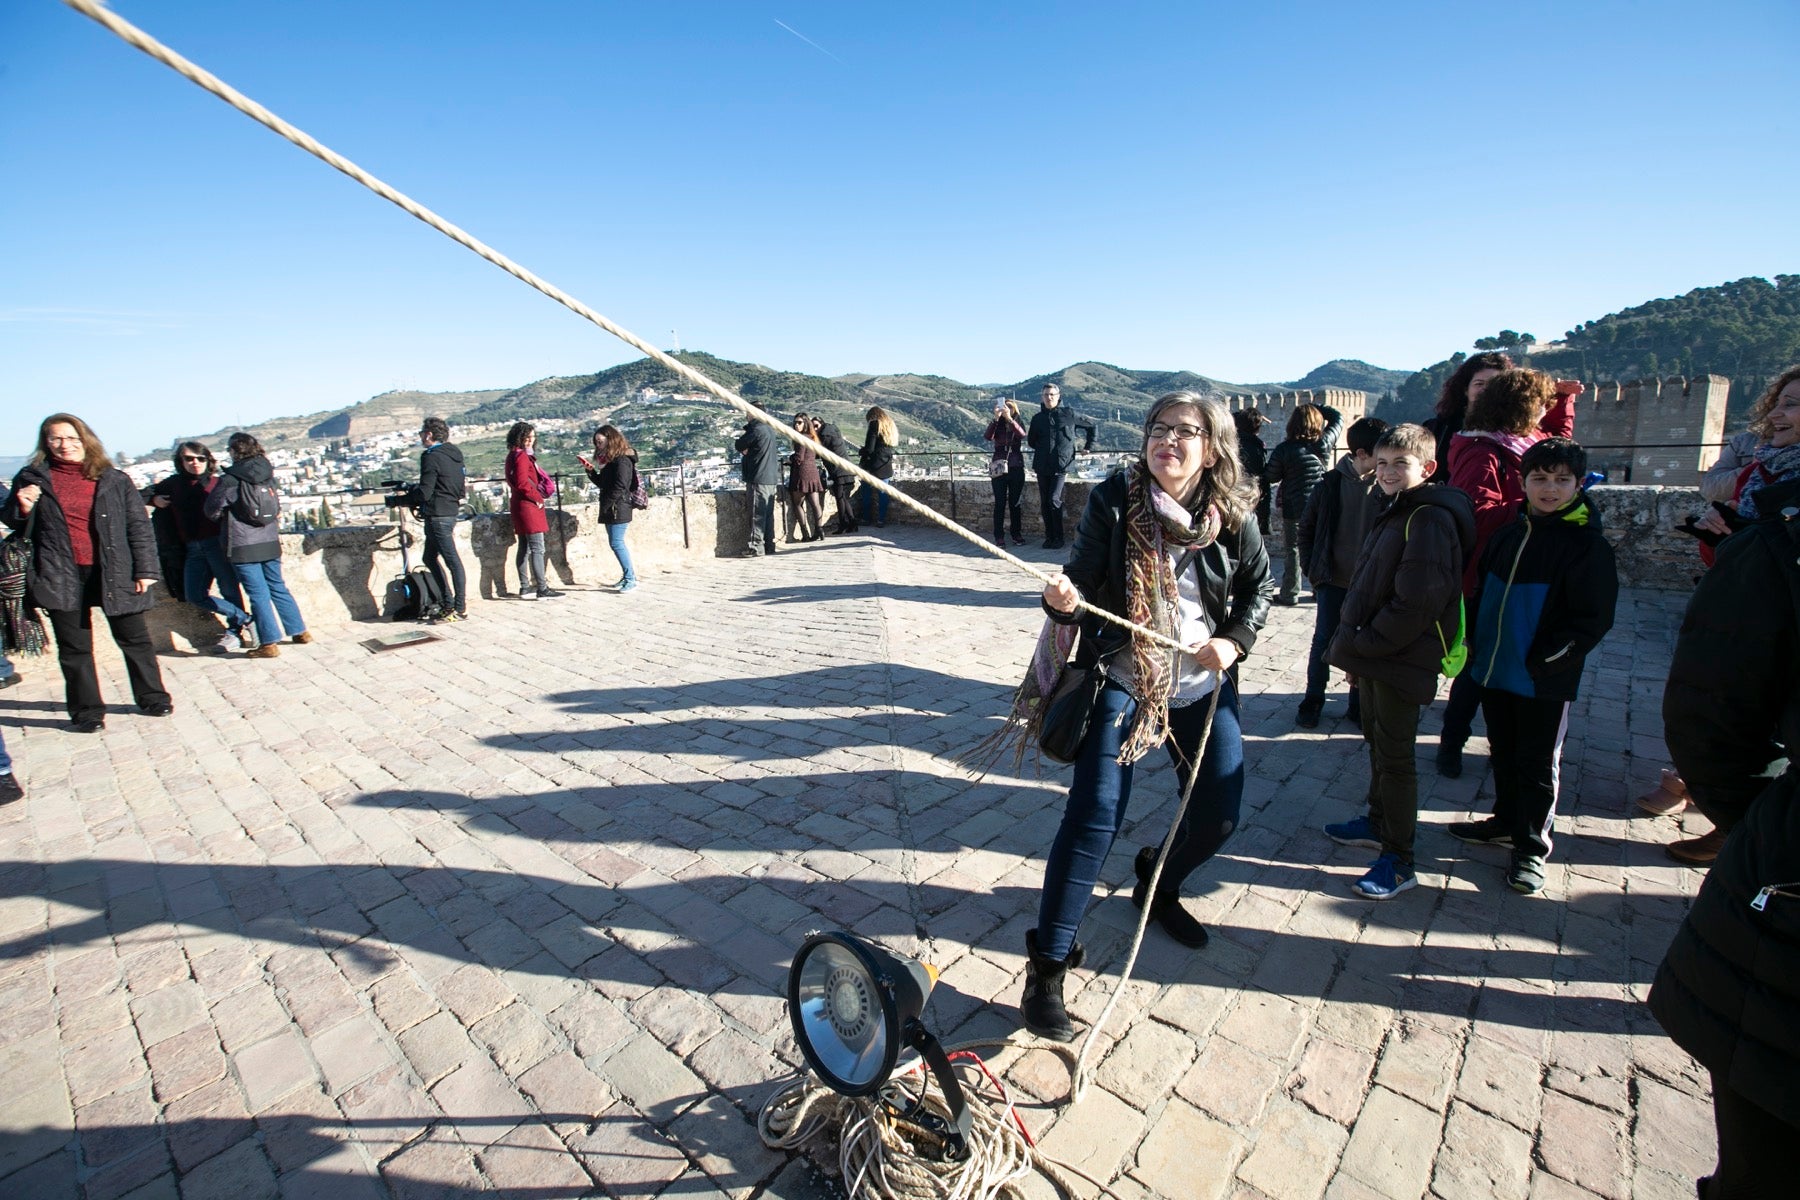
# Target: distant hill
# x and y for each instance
(385, 413)
(1350, 373)
(1747, 330)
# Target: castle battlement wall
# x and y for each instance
(1653, 431)
(1279, 406)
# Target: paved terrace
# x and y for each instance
(511, 913)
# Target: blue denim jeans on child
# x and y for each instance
(206, 562)
(270, 601)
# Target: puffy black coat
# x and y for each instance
(442, 481)
(876, 456)
(1336, 520)
(1728, 991)
(832, 440)
(1051, 436)
(1401, 607)
(1235, 585)
(762, 458)
(616, 480)
(124, 545)
(1298, 466)
(244, 542)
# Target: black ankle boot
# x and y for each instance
(1042, 1005)
(1166, 911)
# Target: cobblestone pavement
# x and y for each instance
(511, 912)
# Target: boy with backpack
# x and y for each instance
(1332, 528)
(1401, 621)
(1548, 589)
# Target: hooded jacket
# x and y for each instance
(441, 486)
(1298, 466)
(1235, 584)
(1728, 991)
(1548, 590)
(833, 440)
(1401, 609)
(1335, 522)
(124, 545)
(244, 543)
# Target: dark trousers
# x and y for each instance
(1101, 789)
(1009, 494)
(1526, 737)
(1390, 726)
(762, 518)
(1290, 558)
(1755, 1150)
(843, 492)
(1050, 506)
(440, 549)
(74, 629)
(173, 560)
(1464, 702)
(1325, 622)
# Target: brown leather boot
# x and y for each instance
(1698, 851)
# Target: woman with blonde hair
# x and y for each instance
(1169, 543)
(91, 546)
(1006, 469)
(877, 458)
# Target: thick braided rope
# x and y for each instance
(134, 36)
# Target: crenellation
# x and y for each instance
(1653, 431)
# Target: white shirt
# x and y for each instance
(1192, 681)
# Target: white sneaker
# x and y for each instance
(231, 643)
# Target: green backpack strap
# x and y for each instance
(1456, 653)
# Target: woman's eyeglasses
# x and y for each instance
(1182, 433)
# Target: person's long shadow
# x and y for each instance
(960, 597)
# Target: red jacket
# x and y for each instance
(527, 503)
(1485, 465)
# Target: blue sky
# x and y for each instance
(981, 191)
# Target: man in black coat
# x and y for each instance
(1728, 992)
(762, 475)
(438, 497)
(1052, 438)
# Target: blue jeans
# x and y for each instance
(1102, 788)
(206, 562)
(5, 758)
(615, 537)
(1330, 600)
(270, 601)
(440, 543)
(865, 496)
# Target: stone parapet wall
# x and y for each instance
(340, 576)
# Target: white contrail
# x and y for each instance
(807, 40)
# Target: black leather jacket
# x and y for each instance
(1235, 585)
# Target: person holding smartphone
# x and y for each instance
(1006, 469)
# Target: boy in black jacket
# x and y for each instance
(1549, 586)
(1332, 528)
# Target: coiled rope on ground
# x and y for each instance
(870, 1138)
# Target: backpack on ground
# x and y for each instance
(256, 504)
(1456, 649)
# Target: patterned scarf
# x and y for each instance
(1155, 523)
(1774, 464)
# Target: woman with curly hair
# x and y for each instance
(614, 471)
(1462, 389)
(1170, 543)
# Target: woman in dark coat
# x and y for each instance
(877, 458)
(92, 546)
(806, 487)
(179, 503)
(1169, 543)
(528, 506)
(1006, 470)
(1296, 466)
(614, 472)
(1728, 992)
(255, 549)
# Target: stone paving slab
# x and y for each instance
(511, 913)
